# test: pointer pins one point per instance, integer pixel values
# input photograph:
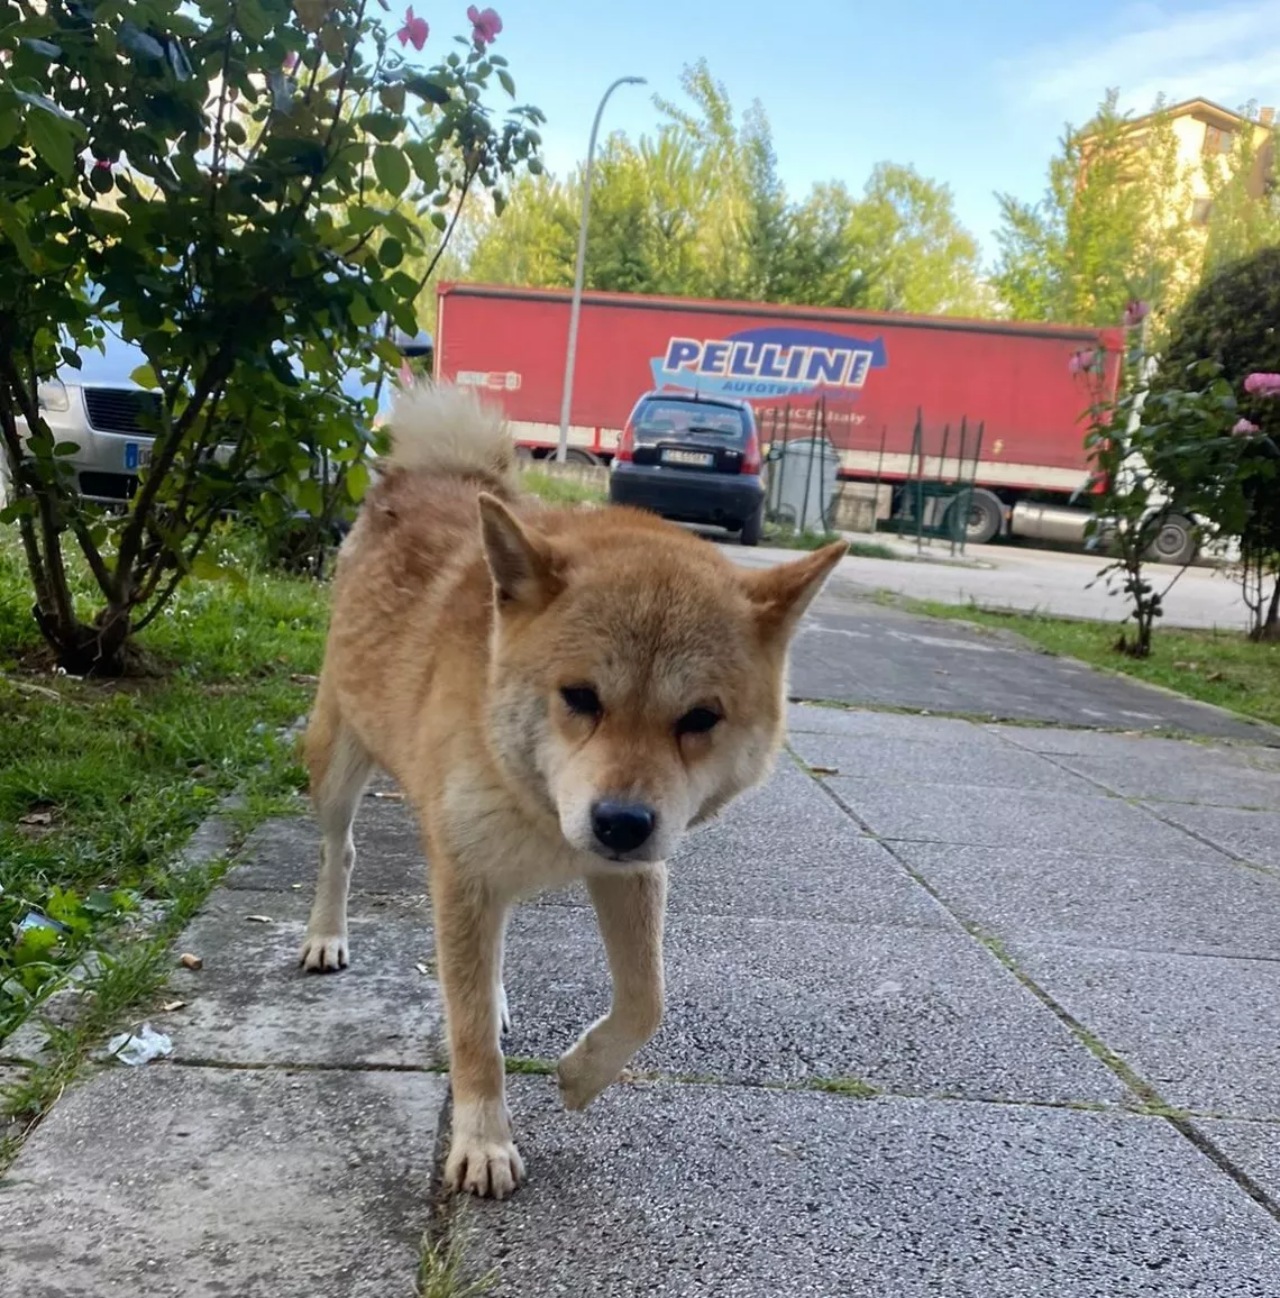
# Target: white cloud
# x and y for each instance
(1228, 54)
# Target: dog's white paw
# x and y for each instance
(504, 1010)
(324, 953)
(584, 1071)
(490, 1169)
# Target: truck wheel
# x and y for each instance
(985, 519)
(753, 527)
(1176, 542)
(576, 456)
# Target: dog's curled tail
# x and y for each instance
(446, 431)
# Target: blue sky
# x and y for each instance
(974, 94)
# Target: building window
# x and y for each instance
(1218, 140)
(1201, 211)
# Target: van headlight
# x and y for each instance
(52, 395)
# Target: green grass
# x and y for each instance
(102, 782)
(787, 538)
(1219, 667)
(561, 491)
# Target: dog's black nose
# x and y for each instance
(622, 826)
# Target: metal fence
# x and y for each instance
(931, 494)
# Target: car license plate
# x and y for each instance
(136, 456)
(702, 459)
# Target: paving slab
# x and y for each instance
(1081, 896)
(1216, 778)
(851, 649)
(222, 1183)
(1002, 817)
(252, 1004)
(677, 1191)
(284, 853)
(812, 718)
(787, 850)
(1253, 753)
(1250, 835)
(772, 1001)
(907, 761)
(1203, 1030)
(1253, 1147)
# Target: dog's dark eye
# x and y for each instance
(697, 721)
(582, 699)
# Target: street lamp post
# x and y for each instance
(575, 310)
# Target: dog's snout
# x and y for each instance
(622, 826)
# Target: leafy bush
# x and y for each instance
(1231, 328)
(247, 190)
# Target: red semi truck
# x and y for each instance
(873, 373)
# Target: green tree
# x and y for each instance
(915, 254)
(697, 209)
(1245, 212)
(1110, 227)
(209, 179)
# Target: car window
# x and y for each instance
(663, 420)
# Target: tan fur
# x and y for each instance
(460, 613)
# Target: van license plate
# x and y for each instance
(700, 458)
(136, 456)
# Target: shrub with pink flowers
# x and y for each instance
(253, 192)
(1229, 327)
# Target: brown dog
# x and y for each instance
(560, 694)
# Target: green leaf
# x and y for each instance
(392, 97)
(403, 286)
(208, 568)
(310, 498)
(432, 91)
(53, 140)
(426, 164)
(145, 377)
(508, 82)
(382, 126)
(357, 482)
(439, 220)
(392, 169)
(391, 253)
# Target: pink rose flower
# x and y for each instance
(1081, 362)
(291, 61)
(1243, 428)
(485, 25)
(1263, 385)
(415, 30)
(1135, 313)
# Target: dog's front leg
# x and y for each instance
(630, 907)
(482, 1158)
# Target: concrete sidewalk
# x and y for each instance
(954, 1009)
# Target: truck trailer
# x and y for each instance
(894, 390)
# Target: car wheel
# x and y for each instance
(753, 528)
(1175, 543)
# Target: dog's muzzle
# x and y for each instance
(621, 828)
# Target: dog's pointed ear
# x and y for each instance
(520, 560)
(781, 594)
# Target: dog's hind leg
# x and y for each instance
(340, 769)
(631, 909)
(483, 1158)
